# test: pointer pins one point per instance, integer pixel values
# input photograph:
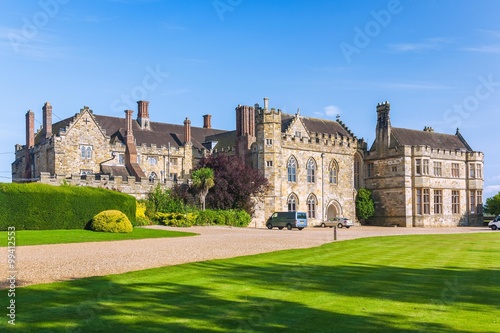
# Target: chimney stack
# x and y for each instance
(143, 114)
(47, 120)
(207, 121)
(187, 131)
(266, 103)
(30, 142)
(30, 129)
(129, 134)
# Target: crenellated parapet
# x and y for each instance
(137, 188)
(268, 116)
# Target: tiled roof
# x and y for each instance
(115, 170)
(410, 137)
(316, 125)
(160, 133)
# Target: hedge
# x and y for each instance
(236, 218)
(36, 206)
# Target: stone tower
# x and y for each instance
(268, 139)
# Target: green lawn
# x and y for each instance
(39, 237)
(431, 283)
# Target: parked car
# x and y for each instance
(339, 222)
(287, 219)
(495, 224)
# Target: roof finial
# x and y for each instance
(298, 112)
(458, 132)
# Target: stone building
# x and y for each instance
(310, 163)
(418, 178)
(423, 178)
(122, 151)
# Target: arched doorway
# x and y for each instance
(334, 209)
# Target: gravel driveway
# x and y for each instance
(49, 263)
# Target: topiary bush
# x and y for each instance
(111, 221)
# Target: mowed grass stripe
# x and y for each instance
(41, 237)
(380, 284)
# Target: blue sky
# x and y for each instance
(436, 62)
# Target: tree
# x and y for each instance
(203, 180)
(493, 205)
(365, 208)
(237, 185)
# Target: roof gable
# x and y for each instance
(313, 125)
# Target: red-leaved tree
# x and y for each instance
(235, 183)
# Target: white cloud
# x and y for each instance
(425, 45)
(329, 111)
(494, 49)
(491, 190)
(332, 110)
(40, 45)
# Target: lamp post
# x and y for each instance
(322, 189)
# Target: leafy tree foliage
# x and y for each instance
(493, 205)
(203, 180)
(164, 201)
(365, 208)
(235, 183)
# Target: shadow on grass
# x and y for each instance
(231, 297)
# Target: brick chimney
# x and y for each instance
(47, 120)
(143, 114)
(131, 150)
(187, 131)
(30, 142)
(129, 134)
(30, 129)
(207, 121)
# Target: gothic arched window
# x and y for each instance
(292, 169)
(292, 203)
(311, 171)
(334, 173)
(311, 206)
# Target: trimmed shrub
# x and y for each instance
(36, 206)
(236, 218)
(176, 219)
(140, 214)
(111, 221)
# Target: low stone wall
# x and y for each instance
(138, 189)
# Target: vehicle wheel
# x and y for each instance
(301, 228)
(323, 225)
(494, 227)
(269, 226)
(289, 226)
(340, 225)
(281, 228)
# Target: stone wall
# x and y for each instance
(138, 189)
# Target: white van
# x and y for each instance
(287, 219)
